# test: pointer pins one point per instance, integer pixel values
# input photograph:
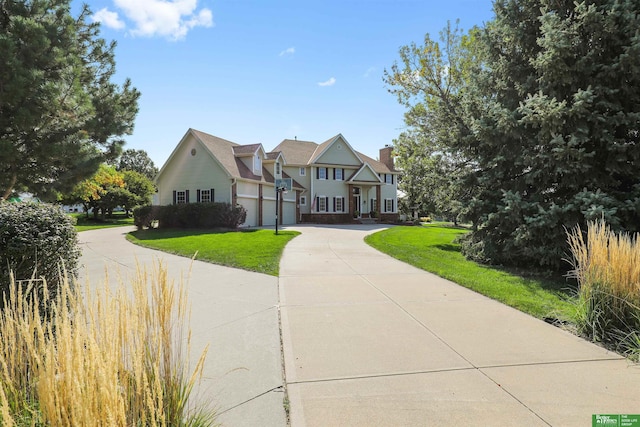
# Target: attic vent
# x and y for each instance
(193, 151)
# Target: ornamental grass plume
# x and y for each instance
(102, 357)
(607, 268)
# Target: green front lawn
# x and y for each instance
(253, 250)
(433, 248)
(119, 219)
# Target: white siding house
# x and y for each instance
(205, 168)
(331, 181)
(341, 183)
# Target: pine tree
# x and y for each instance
(559, 141)
(61, 116)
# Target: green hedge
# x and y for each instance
(190, 215)
(35, 239)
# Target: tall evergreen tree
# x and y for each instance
(559, 142)
(60, 114)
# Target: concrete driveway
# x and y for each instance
(235, 312)
(369, 340)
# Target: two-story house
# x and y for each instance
(331, 182)
(341, 183)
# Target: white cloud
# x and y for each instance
(288, 51)
(369, 71)
(108, 18)
(165, 18)
(329, 82)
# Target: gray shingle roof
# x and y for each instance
(305, 152)
(226, 151)
(240, 150)
(297, 152)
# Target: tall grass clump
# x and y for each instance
(607, 268)
(107, 356)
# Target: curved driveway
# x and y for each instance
(235, 312)
(369, 340)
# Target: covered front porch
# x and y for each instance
(364, 200)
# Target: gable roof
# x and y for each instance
(297, 152)
(304, 153)
(223, 151)
(377, 166)
(274, 155)
(324, 147)
(227, 154)
(365, 174)
(246, 150)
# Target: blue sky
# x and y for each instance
(262, 71)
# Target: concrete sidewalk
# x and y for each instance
(235, 312)
(369, 340)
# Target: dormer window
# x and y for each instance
(278, 169)
(257, 165)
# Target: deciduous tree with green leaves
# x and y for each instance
(139, 189)
(138, 161)
(436, 151)
(102, 192)
(61, 115)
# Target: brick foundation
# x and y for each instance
(327, 218)
(388, 217)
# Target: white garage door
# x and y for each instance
(268, 212)
(289, 213)
(251, 206)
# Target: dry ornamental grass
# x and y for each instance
(107, 357)
(607, 267)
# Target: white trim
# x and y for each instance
(303, 200)
(323, 199)
(190, 132)
(359, 171)
(326, 174)
(247, 196)
(302, 171)
(202, 192)
(315, 156)
(392, 206)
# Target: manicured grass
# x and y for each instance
(433, 248)
(253, 250)
(83, 223)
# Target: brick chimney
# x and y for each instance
(386, 156)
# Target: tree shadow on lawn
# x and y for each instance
(448, 247)
(554, 282)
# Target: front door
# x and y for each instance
(357, 202)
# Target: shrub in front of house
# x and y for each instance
(191, 215)
(144, 216)
(36, 241)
